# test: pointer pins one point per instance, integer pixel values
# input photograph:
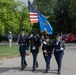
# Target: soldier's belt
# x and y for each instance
(57, 50)
(35, 45)
(45, 54)
(22, 44)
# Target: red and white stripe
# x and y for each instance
(33, 17)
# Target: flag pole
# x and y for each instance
(30, 22)
(61, 34)
(31, 26)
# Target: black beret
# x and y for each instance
(22, 29)
(33, 32)
(58, 35)
(46, 37)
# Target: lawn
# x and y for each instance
(6, 51)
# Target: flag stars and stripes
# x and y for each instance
(33, 17)
(32, 13)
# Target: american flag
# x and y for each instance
(32, 13)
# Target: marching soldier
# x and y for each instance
(59, 47)
(23, 41)
(47, 52)
(35, 43)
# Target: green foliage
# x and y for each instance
(13, 17)
(64, 21)
(45, 6)
(62, 14)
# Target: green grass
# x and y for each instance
(6, 51)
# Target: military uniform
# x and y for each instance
(47, 53)
(23, 46)
(35, 43)
(59, 48)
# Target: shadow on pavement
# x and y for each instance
(37, 70)
(1, 63)
(6, 69)
(41, 70)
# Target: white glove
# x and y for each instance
(45, 51)
(26, 50)
(44, 43)
(31, 35)
(33, 48)
(61, 48)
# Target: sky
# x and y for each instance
(25, 1)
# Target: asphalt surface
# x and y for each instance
(12, 66)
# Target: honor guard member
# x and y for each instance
(47, 52)
(59, 47)
(35, 43)
(23, 42)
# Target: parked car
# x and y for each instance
(69, 37)
(75, 40)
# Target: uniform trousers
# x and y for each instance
(35, 63)
(58, 56)
(47, 58)
(22, 51)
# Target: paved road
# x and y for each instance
(12, 66)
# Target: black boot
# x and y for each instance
(34, 69)
(46, 71)
(22, 68)
(58, 71)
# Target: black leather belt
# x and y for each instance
(22, 44)
(57, 50)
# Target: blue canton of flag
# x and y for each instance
(44, 24)
(33, 13)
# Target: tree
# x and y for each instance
(45, 7)
(7, 15)
(65, 20)
(23, 16)
(72, 14)
(13, 17)
(61, 13)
